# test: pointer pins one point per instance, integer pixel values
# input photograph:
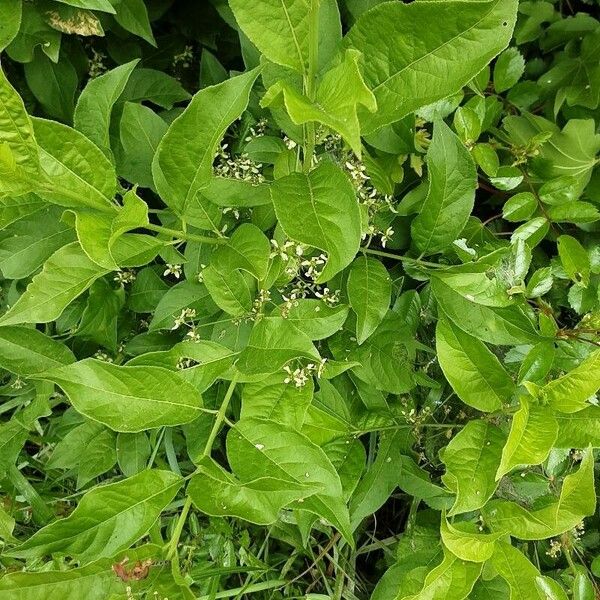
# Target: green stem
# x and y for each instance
(173, 543)
(415, 261)
(191, 237)
(310, 81)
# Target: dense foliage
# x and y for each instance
(300, 299)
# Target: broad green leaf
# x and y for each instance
(404, 53)
(13, 435)
(519, 207)
(10, 21)
(572, 392)
(18, 150)
(320, 209)
(273, 399)
(186, 294)
(133, 452)
(577, 500)
(580, 429)
(273, 343)
(101, 5)
(66, 275)
(449, 201)
(452, 579)
(153, 86)
(87, 449)
(369, 290)
(94, 107)
(132, 15)
(231, 291)
(574, 259)
(141, 130)
(78, 173)
(519, 573)
(381, 478)
(14, 208)
(99, 231)
(107, 519)
(183, 162)
(508, 69)
(474, 372)
(127, 399)
(532, 435)
(338, 95)
(502, 326)
(28, 243)
(285, 40)
(218, 493)
(54, 85)
(26, 351)
(467, 544)
(96, 581)
(258, 448)
(471, 459)
(314, 317)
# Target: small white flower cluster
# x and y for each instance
(175, 270)
(124, 277)
(96, 64)
(555, 549)
(257, 130)
(578, 531)
(241, 167)
(263, 297)
(374, 231)
(184, 58)
(17, 384)
(313, 266)
(300, 375)
(103, 356)
(289, 143)
(187, 314)
(330, 298)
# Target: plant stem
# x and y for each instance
(173, 543)
(191, 237)
(310, 80)
(415, 261)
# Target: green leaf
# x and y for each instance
(133, 16)
(28, 243)
(258, 448)
(273, 343)
(471, 459)
(218, 493)
(230, 291)
(285, 41)
(577, 500)
(275, 400)
(10, 21)
(532, 435)
(107, 519)
(320, 209)
(141, 130)
(580, 429)
(101, 5)
(94, 107)
(519, 207)
(338, 95)
(26, 351)
(369, 290)
(452, 579)
(79, 175)
(574, 259)
(518, 572)
(133, 452)
(182, 165)
(127, 399)
(503, 326)
(449, 201)
(314, 317)
(17, 142)
(465, 544)
(153, 86)
(508, 69)
(571, 392)
(66, 275)
(405, 74)
(474, 372)
(54, 85)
